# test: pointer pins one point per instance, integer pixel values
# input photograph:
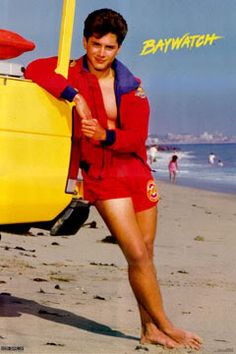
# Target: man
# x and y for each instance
(114, 111)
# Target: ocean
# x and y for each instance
(195, 170)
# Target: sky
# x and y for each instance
(191, 89)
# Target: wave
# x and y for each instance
(194, 168)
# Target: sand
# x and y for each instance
(70, 294)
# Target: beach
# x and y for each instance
(70, 295)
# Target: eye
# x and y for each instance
(110, 47)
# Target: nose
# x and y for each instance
(102, 51)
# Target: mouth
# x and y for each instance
(100, 61)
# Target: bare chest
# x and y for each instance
(109, 99)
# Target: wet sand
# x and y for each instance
(70, 294)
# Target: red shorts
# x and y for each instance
(142, 190)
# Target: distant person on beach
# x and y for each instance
(173, 167)
(114, 111)
(220, 163)
(211, 158)
(152, 154)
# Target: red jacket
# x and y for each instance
(133, 109)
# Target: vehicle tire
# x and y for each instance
(71, 220)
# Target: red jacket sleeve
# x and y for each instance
(134, 116)
(42, 71)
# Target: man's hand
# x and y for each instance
(82, 107)
(91, 128)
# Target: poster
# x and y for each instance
(70, 294)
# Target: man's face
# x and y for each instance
(101, 51)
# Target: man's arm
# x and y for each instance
(134, 126)
(42, 72)
(132, 134)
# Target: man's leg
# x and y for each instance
(120, 217)
(147, 221)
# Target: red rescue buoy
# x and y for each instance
(12, 44)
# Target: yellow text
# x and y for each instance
(151, 46)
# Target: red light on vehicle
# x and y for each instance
(12, 44)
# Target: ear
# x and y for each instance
(85, 43)
(119, 48)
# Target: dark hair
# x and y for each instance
(104, 21)
(174, 158)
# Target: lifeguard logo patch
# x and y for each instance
(152, 192)
(140, 92)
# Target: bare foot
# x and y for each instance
(152, 335)
(184, 338)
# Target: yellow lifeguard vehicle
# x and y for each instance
(38, 144)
